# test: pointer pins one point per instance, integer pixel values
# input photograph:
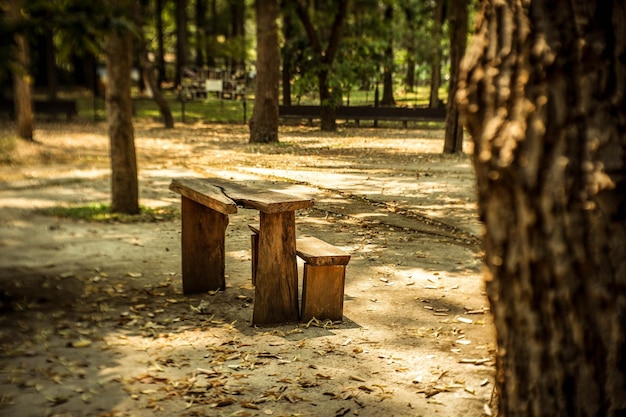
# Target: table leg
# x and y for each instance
(203, 253)
(276, 293)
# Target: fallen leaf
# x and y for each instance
(224, 402)
(81, 343)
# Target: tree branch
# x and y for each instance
(308, 27)
(335, 35)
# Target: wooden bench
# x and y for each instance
(206, 204)
(51, 107)
(358, 113)
(324, 276)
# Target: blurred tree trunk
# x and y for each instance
(51, 67)
(411, 44)
(22, 79)
(287, 53)
(182, 45)
(543, 90)
(325, 59)
(148, 72)
(237, 14)
(46, 70)
(211, 34)
(119, 58)
(200, 32)
(264, 121)
(162, 75)
(388, 99)
(435, 74)
(457, 21)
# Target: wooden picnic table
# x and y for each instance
(206, 204)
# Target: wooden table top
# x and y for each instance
(224, 195)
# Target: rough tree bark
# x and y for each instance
(457, 18)
(544, 95)
(119, 58)
(264, 121)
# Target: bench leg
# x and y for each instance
(203, 253)
(322, 292)
(276, 292)
(254, 249)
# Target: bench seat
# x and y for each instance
(324, 276)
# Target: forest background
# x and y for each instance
(391, 52)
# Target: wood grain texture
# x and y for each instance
(262, 200)
(322, 292)
(276, 295)
(254, 245)
(204, 193)
(315, 251)
(203, 254)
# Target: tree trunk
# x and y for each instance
(286, 82)
(264, 121)
(435, 74)
(238, 8)
(22, 80)
(124, 183)
(388, 99)
(287, 52)
(543, 90)
(325, 59)
(52, 79)
(200, 32)
(410, 71)
(182, 46)
(162, 76)
(411, 47)
(148, 75)
(328, 108)
(211, 34)
(457, 18)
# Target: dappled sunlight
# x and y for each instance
(103, 303)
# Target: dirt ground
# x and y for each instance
(94, 322)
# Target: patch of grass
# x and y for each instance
(101, 212)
